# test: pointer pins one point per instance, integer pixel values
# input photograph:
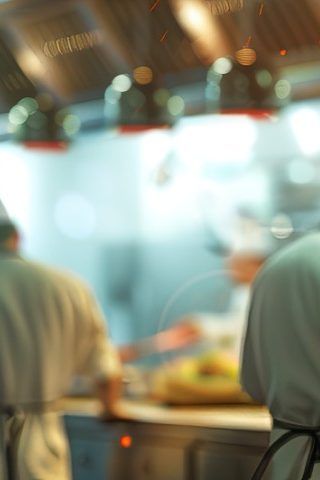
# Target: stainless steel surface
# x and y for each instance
(237, 417)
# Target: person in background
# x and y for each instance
(280, 357)
(243, 256)
(51, 329)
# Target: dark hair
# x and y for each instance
(6, 231)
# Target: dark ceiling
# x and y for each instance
(74, 48)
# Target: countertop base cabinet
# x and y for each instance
(149, 462)
(92, 446)
(160, 452)
(90, 459)
(230, 462)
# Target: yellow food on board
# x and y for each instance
(209, 378)
(218, 363)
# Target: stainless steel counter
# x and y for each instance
(239, 417)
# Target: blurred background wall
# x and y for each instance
(147, 219)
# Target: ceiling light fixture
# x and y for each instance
(208, 39)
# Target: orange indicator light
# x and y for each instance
(126, 441)
(283, 52)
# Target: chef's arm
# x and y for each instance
(108, 392)
(102, 362)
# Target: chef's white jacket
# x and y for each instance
(51, 329)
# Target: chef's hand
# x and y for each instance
(108, 393)
(182, 334)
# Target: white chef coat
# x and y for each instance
(225, 330)
(280, 357)
(51, 329)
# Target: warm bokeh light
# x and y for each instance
(192, 15)
(283, 52)
(30, 63)
(246, 56)
(143, 75)
(204, 29)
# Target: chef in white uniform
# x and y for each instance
(51, 329)
(281, 353)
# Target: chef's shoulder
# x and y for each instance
(294, 258)
(58, 280)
